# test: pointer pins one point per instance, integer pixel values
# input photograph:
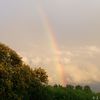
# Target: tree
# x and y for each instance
(70, 87)
(9, 56)
(17, 80)
(41, 75)
(87, 89)
(78, 87)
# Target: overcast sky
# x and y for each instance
(76, 24)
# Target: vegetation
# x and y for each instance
(19, 82)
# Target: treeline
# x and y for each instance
(19, 82)
(70, 92)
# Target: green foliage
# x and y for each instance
(19, 82)
(9, 56)
(41, 75)
(70, 87)
(78, 87)
(87, 89)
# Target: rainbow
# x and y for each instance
(53, 43)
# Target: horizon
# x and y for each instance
(62, 36)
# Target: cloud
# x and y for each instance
(94, 48)
(36, 60)
(82, 75)
(81, 64)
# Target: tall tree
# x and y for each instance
(17, 80)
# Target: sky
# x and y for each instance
(62, 36)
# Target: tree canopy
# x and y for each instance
(19, 81)
(16, 78)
